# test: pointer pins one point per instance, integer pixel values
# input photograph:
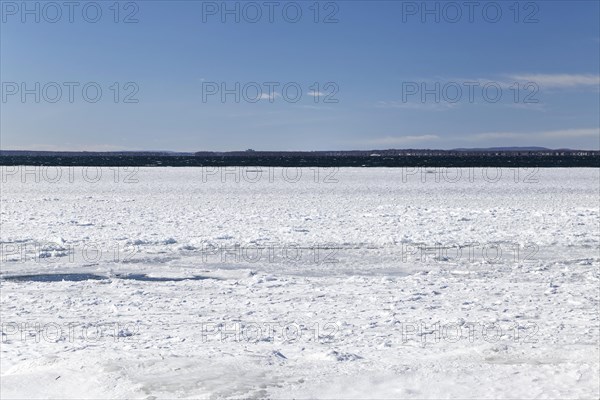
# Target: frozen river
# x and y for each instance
(298, 283)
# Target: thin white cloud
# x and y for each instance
(316, 94)
(559, 81)
(507, 81)
(558, 134)
(402, 140)
(270, 97)
(417, 105)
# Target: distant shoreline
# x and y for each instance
(381, 158)
(491, 152)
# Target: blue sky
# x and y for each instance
(372, 74)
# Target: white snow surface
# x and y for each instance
(345, 287)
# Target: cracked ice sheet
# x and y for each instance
(363, 326)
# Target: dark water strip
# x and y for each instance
(466, 161)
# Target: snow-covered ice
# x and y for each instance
(349, 283)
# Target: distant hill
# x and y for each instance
(514, 148)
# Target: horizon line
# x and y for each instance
(253, 151)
